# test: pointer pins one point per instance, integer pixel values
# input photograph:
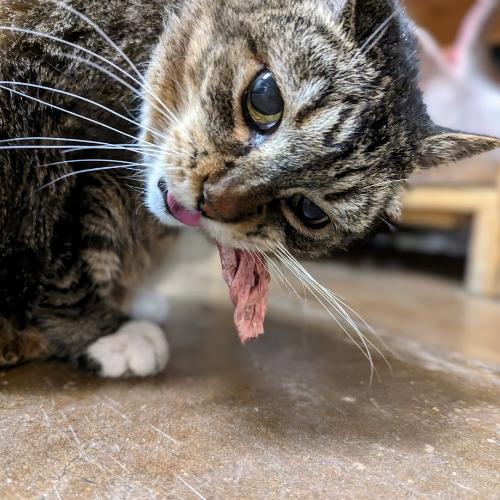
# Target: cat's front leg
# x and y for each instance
(99, 337)
(136, 349)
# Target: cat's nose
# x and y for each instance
(226, 202)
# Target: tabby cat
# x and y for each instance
(272, 125)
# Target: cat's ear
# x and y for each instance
(447, 146)
(368, 20)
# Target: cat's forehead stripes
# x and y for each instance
(353, 116)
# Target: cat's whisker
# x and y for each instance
(304, 289)
(85, 171)
(308, 280)
(93, 54)
(335, 302)
(77, 115)
(121, 81)
(99, 31)
(379, 32)
(153, 153)
(324, 290)
(92, 160)
(340, 322)
(65, 149)
(281, 274)
(365, 340)
(342, 302)
(373, 39)
(126, 147)
(313, 290)
(276, 270)
(140, 173)
(257, 258)
(375, 42)
(299, 271)
(144, 85)
(180, 90)
(86, 118)
(84, 99)
(78, 149)
(284, 279)
(391, 226)
(61, 41)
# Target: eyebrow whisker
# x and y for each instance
(83, 99)
(85, 171)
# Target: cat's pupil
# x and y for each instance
(265, 95)
(264, 104)
(310, 211)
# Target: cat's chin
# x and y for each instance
(228, 236)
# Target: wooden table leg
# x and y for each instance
(483, 262)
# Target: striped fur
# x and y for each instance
(72, 252)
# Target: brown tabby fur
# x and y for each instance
(70, 253)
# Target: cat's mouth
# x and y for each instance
(169, 208)
(245, 273)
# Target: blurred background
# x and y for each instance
(451, 218)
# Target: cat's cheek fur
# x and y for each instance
(154, 198)
(137, 349)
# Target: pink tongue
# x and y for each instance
(191, 219)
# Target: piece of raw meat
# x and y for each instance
(248, 280)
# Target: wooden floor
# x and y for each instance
(290, 416)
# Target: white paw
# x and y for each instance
(151, 306)
(137, 349)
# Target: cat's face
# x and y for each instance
(295, 121)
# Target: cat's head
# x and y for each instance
(289, 122)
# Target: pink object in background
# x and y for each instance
(460, 95)
(457, 90)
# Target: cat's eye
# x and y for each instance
(309, 214)
(263, 104)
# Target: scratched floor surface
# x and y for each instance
(291, 416)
